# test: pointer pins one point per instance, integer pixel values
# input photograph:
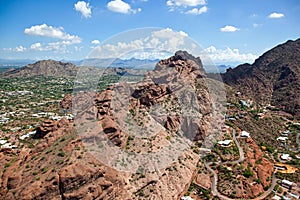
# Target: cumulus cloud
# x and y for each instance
(256, 25)
(228, 55)
(229, 28)
(120, 6)
(52, 32)
(84, 8)
(159, 41)
(20, 49)
(276, 15)
(36, 46)
(186, 3)
(95, 42)
(197, 11)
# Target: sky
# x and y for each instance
(229, 31)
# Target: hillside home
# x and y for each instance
(224, 143)
(284, 156)
(287, 184)
(245, 134)
(9, 146)
(282, 139)
(244, 103)
(187, 198)
(2, 142)
(276, 197)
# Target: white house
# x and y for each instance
(284, 156)
(294, 195)
(244, 103)
(2, 142)
(282, 139)
(4, 119)
(27, 135)
(287, 184)
(224, 142)
(9, 146)
(187, 198)
(276, 197)
(286, 132)
(245, 134)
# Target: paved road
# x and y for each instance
(214, 189)
(241, 151)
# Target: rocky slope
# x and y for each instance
(157, 120)
(44, 68)
(274, 78)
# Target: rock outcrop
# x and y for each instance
(66, 103)
(171, 104)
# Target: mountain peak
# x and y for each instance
(44, 68)
(269, 78)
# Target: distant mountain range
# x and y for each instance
(15, 62)
(133, 63)
(274, 78)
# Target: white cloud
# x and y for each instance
(185, 3)
(229, 28)
(228, 55)
(36, 46)
(53, 32)
(20, 49)
(84, 8)
(255, 25)
(95, 42)
(120, 6)
(156, 43)
(197, 11)
(276, 15)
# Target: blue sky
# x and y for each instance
(231, 32)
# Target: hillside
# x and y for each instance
(44, 68)
(274, 78)
(156, 123)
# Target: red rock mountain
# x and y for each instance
(274, 78)
(62, 166)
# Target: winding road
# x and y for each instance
(215, 191)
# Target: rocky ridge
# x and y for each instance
(274, 78)
(44, 68)
(61, 166)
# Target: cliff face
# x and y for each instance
(153, 122)
(274, 78)
(44, 68)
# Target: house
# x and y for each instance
(4, 119)
(187, 198)
(55, 117)
(9, 146)
(284, 156)
(244, 103)
(27, 135)
(287, 184)
(245, 134)
(276, 197)
(294, 195)
(2, 142)
(282, 139)
(286, 198)
(225, 143)
(35, 115)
